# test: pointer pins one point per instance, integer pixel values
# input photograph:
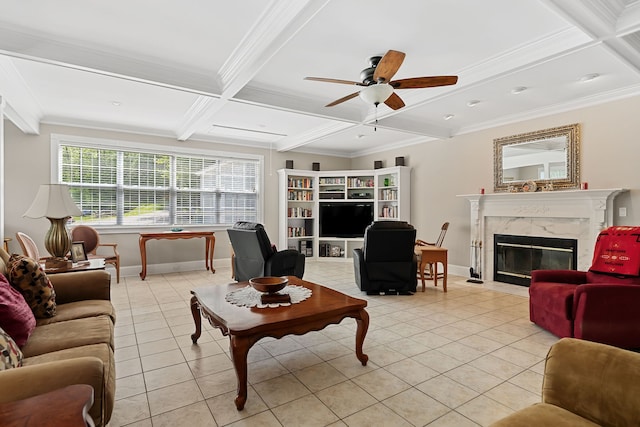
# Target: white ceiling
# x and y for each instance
(233, 71)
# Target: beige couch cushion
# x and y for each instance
(543, 414)
(81, 310)
(72, 333)
(83, 370)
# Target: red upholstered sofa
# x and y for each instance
(600, 307)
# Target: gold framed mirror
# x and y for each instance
(542, 160)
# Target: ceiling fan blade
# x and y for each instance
(421, 82)
(344, 98)
(394, 102)
(388, 66)
(345, 82)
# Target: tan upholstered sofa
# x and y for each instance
(585, 384)
(73, 347)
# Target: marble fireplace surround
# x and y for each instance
(570, 214)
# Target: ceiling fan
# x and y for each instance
(378, 86)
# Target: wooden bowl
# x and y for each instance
(268, 284)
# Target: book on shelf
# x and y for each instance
(300, 183)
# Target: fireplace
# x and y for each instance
(516, 256)
(570, 214)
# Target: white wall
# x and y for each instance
(440, 170)
(464, 164)
(28, 164)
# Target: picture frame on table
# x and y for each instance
(78, 252)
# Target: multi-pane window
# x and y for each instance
(137, 188)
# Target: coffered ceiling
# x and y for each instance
(233, 72)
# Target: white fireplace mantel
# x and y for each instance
(573, 214)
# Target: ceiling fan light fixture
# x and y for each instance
(376, 94)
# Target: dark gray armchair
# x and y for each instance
(387, 262)
(255, 256)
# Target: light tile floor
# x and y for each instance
(464, 358)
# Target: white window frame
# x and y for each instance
(112, 144)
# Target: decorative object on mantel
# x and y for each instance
(548, 186)
(529, 187)
(551, 153)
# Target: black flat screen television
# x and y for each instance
(345, 219)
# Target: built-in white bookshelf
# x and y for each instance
(303, 195)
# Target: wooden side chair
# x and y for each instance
(428, 272)
(91, 239)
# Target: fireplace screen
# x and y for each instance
(516, 256)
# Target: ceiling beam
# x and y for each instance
(610, 22)
(273, 29)
(20, 105)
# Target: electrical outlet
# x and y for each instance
(622, 212)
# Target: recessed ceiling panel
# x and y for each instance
(551, 84)
(68, 95)
(198, 33)
(238, 120)
(360, 140)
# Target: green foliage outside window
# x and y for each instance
(135, 188)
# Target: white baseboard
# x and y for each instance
(225, 263)
(174, 267)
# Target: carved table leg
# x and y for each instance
(197, 319)
(363, 326)
(143, 256)
(209, 248)
(239, 351)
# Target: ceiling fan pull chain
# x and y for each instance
(375, 127)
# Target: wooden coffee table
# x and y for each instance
(245, 326)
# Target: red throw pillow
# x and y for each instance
(16, 317)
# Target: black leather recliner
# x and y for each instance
(387, 262)
(255, 256)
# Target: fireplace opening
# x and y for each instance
(516, 256)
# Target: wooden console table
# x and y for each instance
(65, 407)
(210, 242)
(432, 255)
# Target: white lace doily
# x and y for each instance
(249, 297)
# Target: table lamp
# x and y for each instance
(54, 202)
